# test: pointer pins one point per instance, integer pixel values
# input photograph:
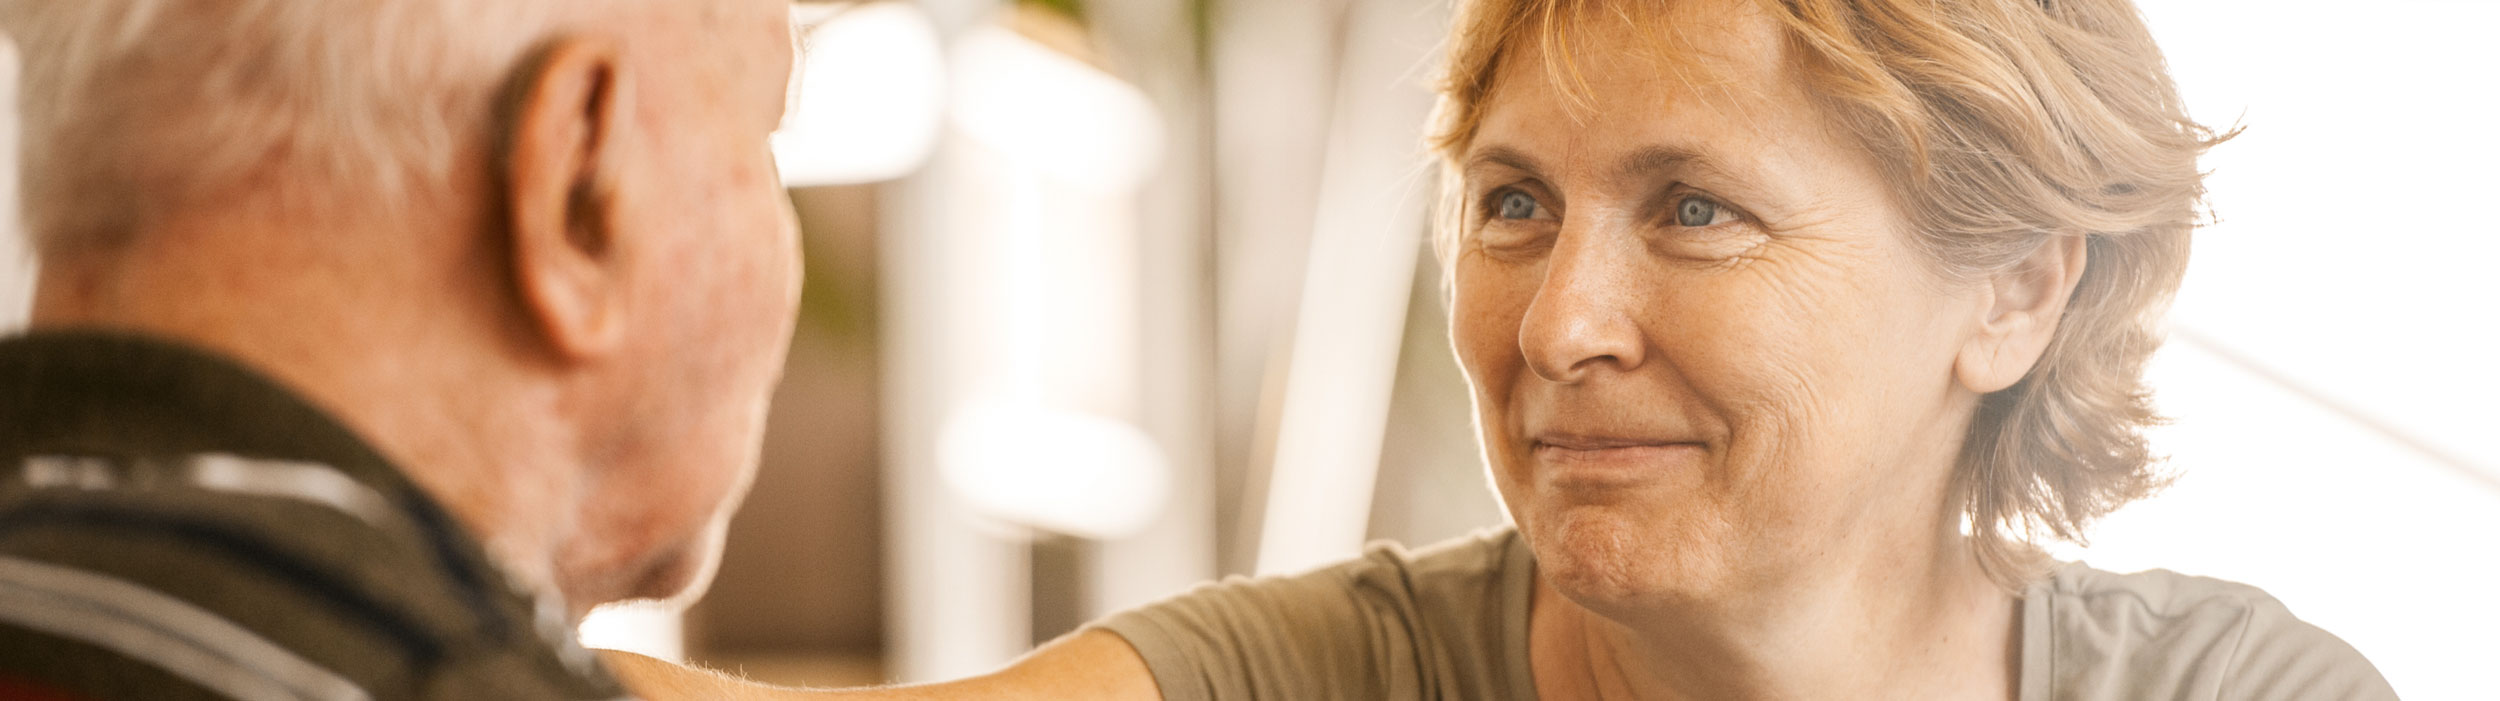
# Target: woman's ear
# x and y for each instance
(559, 169)
(2020, 315)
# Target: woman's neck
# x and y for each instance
(1891, 629)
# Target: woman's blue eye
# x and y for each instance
(1516, 205)
(1696, 212)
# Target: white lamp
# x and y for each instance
(870, 89)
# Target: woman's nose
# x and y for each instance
(1582, 321)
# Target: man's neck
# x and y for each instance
(382, 350)
(1944, 631)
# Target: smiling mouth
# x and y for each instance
(1612, 462)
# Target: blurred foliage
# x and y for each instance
(1074, 9)
(838, 292)
(843, 307)
(1201, 20)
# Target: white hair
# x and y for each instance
(131, 108)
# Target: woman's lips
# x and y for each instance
(1612, 462)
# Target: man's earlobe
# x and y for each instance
(559, 193)
(2023, 306)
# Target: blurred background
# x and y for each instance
(1109, 297)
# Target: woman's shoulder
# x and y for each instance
(1393, 623)
(1470, 563)
(2093, 634)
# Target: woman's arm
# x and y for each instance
(1090, 664)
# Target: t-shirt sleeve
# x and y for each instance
(1325, 634)
(2282, 658)
(2159, 634)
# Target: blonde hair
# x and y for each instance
(2004, 124)
(130, 108)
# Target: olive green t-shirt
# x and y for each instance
(1451, 622)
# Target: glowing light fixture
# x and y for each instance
(1053, 113)
(1016, 286)
(1054, 469)
(870, 92)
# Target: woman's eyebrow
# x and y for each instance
(1645, 164)
(1651, 162)
(1504, 156)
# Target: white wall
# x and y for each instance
(2330, 367)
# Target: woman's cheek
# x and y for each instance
(1475, 320)
(1484, 329)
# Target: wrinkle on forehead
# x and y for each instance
(1721, 51)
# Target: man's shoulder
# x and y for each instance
(2163, 634)
(172, 526)
(243, 580)
(75, 632)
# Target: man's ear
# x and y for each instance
(559, 179)
(2020, 315)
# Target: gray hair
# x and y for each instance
(132, 108)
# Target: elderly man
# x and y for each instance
(378, 340)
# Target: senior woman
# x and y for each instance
(1789, 325)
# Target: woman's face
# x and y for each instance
(1706, 359)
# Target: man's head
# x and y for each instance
(535, 250)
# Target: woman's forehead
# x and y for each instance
(1701, 43)
(1694, 77)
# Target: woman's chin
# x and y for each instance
(1623, 557)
